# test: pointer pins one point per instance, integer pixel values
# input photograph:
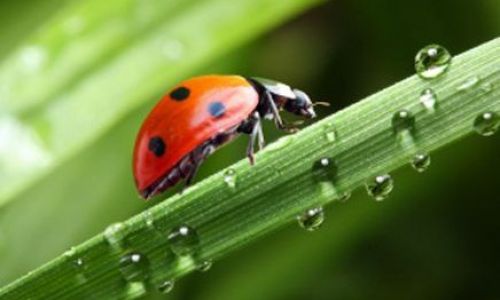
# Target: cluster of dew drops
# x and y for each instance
(431, 62)
(134, 266)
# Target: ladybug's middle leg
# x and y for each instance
(255, 134)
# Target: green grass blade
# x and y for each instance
(97, 61)
(281, 184)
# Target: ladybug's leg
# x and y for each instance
(196, 159)
(260, 137)
(276, 114)
(255, 134)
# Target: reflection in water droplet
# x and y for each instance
(204, 266)
(33, 58)
(403, 120)
(428, 99)
(324, 169)
(380, 187)
(432, 61)
(183, 240)
(421, 161)
(230, 178)
(166, 287)
(172, 49)
(311, 219)
(115, 234)
(469, 83)
(487, 123)
(134, 266)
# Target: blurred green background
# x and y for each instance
(435, 237)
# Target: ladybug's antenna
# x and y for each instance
(320, 103)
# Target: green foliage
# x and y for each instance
(361, 141)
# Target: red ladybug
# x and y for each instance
(199, 115)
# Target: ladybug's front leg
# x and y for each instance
(277, 117)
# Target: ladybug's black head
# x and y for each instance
(301, 105)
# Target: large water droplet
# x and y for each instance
(166, 287)
(428, 99)
(311, 219)
(324, 169)
(204, 266)
(183, 240)
(487, 123)
(421, 162)
(432, 61)
(134, 266)
(380, 187)
(115, 234)
(403, 120)
(469, 83)
(230, 178)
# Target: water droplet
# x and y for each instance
(487, 123)
(380, 187)
(166, 287)
(403, 120)
(432, 61)
(134, 266)
(183, 240)
(324, 169)
(115, 234)
(330, 133)
(230, 178)
(311, 219)
(343, 197)
(485, 88)
(469, 83)
(204, 266)
(428, 99)
(148, 218)
(79, 263)
(421, 162)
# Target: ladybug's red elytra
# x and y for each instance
(201, 114)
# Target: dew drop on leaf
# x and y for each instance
(204, 266)
(421, 161)
(380, 187)
(324, 169)
(432, 61)
(487, 123)
(230, 178)
(166, 286)
(428, 99)
(311, 219)
(403, 120)
(183, 240)
(115, 234)
(134, 266)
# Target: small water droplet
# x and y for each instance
(469, 83)
(432, 61)
(148, 218)
(324, 169)
(79, 263)
(428, 99)
(487, 123)
(485, 88)
(115, 234)
(311, 219)
(380, 187)
(343, 197)
(421, 161)
(134, 266)
(204, 266)
(183, 240)
(403, 120)
(166, 286)
(330, 133)
(230, 178)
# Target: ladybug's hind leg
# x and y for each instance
(193, 162)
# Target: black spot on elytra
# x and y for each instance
(216, 109)
(180, 94)
(157, 146)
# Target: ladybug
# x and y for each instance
(199, 115)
